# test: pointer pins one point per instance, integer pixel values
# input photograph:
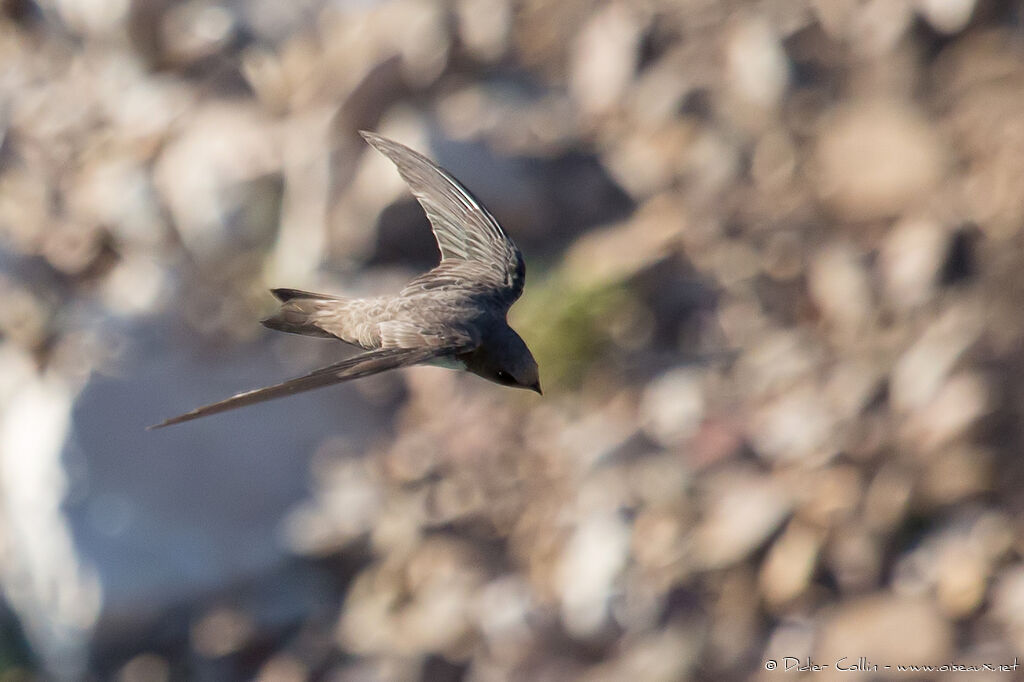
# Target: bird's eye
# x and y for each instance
(504, 377)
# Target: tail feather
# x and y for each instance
(299, 312)
(285, 295)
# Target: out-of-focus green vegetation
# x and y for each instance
(565, 325)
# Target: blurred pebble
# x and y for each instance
(878, 157)
(101, 17)
(957, 473)
(911, 260)
(664, 656)
(484, 27)
(887, 498)
(778, 360)
(789, 566)
(416, 605)
(735, 615)
(221, 632)
(962, 581)
(955, 408)
(795, 426)
(784, 257)
(145, 668)
(672, 407)
(223, 147)
(756, 64)
(851, 386)
(921, 370)
(456, 497)
(829, 496)
(735, 263)
(838, 283)
(503, 609)
(774, 160)
(854, 557)
(612, 254)
(955, 562)
(604, 57)
(659, 539)
(946, 16)
(1008, 603)
(118, 195)
(347, 504)
(886, 630)
(134, 285)
(742, 510)
(872, 28)
(658, 479)
(646, 163)
(23, 317)
(792, 636)
(283, 668)
(193, 30)
(590, 563)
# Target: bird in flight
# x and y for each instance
(452, 316)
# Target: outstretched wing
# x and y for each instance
(363, 365)
(464, 229)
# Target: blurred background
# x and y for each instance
(775, 285)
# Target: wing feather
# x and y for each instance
(356, 367)
(464, 229)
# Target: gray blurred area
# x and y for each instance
(775, 272)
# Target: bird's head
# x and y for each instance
(507, 361)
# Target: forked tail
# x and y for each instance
(300, 312)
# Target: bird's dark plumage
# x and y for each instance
(453, 315)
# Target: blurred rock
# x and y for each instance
(484, 26)
(503, 616)
(959, 403)
(99, 17)
(661, 657)
(790, 564)
(882, 628)
(347, 507)
(840, 287)
(946, 16)
(872, 28)
(420, 605)
(956, 474)
(955, 562)
(1008, 601)
(922, 369)
(673, 407)
(742, 511)
(199, 174)
(829, 496)
(793, 427)
(887, 497)
(283, 669)
(592, 559)
(757, 67)
(911, 261)
(221, 632)
(878, 158)
(194, 30)
(605, 57)
(854, 557)
(145, 668)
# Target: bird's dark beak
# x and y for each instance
(536, 387)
